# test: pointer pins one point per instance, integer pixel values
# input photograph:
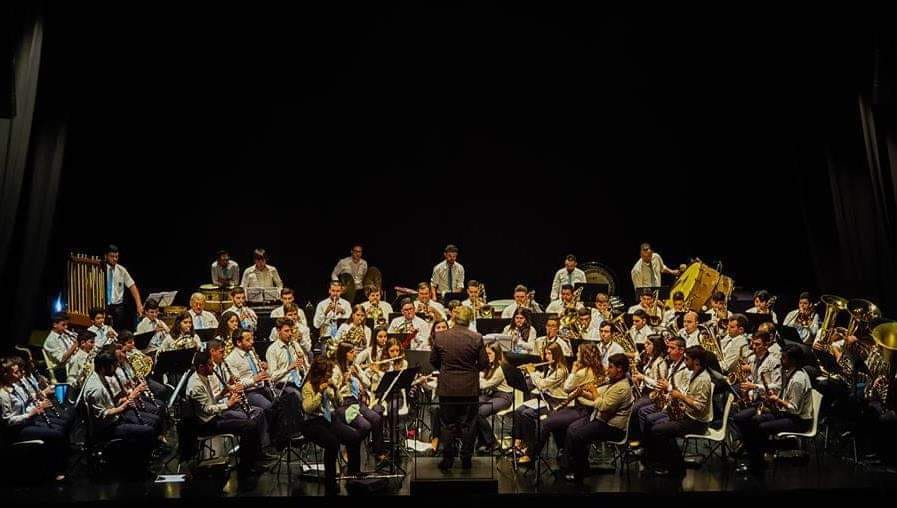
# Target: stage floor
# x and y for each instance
(834, 476)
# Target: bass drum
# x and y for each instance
(698, 283)
(597, 273)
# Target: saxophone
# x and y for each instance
(674, 407)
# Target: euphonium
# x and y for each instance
(708, 341)
(570, 321)
(881, 361)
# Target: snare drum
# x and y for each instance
(698, 283)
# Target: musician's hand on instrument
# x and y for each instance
(233, 399)
(818, 346)
(663, 384)
(676, 394)
(48, 390)
(747, 386)
(264, 365)
(745, 368)
(850, 339)
(261, 376)
(591, 391)
(638, 377)
(530, 368)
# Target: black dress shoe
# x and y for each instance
(446, 463)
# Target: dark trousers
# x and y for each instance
(660, 436)
(581, 434)
(458, 416)
(637, 424)
(489, 405)
(245, 427)
(756, 429)
(556, 424)
(138, 435)
(367, 422)
(319, 432)
(161, 392)
(54, 436)
(119, 314)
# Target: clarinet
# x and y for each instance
(244, 402)
(138, 401)
(267, 384)
(32, 399)
(40, 396)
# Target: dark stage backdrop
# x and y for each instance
(518, 134)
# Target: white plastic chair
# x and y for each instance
(810, 434)
(716, 437)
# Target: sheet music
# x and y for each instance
(165, 298)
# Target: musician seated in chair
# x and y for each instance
(602, 311)
(495, 395)
(717, 310)
(764, 374)
(689, 411)
(34, 386)
(734, 344)
(561, 305)
(761, 305)
(409, 322)
(640, 329)
(249, 370)
(24, 419)
(131, 356)
(330, 310)
(646, 302)
(522, 331)
(607, 346)
(59, 346)
(521, 297)
(689, 331)
(152, 323)
(287, 362)
(104, 333)
(375, 295)
(222, 411)
(790, 412)
(552, 327)
(804, 318)
(670, 315)
(586, 370)
(248, 318)
(426, 305)
(609, 405)
(202, 319)
(75, 373)
(353, 409)
(355, 330)
(550, 386)
(676, 369)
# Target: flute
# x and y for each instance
(534, 365)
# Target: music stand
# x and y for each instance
(538, 321)
(789, 334)
(142, 340)
(264, 326)
(206, 334)
(492, 325)
(755, 320)
(447, 297)
(178, 362)
(590, 289)
(505, 342)
(393, 383)
(420, 360)
(262, 295)
(517, 359)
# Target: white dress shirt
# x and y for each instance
(227, 276)
(597, 318)
(421, 341)
(804, 332)
(304, 337)
(323, 318)
(356, 270)
(439, 279)
(56, 345)
(562, 277)
(691, 339)
(385, 308)
(640, 336)
(646, 275)
(238, 361)
(74, 366)
(733, 348)
(608, 350)
(557, 307)
(267, 278)
(280, 357)
(527, 340)
(543, 342)
(203, 320)
(121, 280)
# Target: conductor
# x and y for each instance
(459, 355)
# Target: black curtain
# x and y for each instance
(850, 205)
(31, 154)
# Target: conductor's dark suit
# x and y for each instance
(459, 355)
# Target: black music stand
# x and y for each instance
(504, 341)
(142, 340)
(264, 326)
(392, 316)
(492, 325)
(539, 320)
(790, 335)
(420, 360)
(516, 380)
(662, 292)
(518, 359)
(755, 320)
(447, 297)
(627, 318)
(590, 289)
(390, 386)
(174, 363)
(206, 334)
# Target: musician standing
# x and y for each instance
(569, 275)
(354, 265)
(804, 318)
(117, 280)
(459, 355)
(695, 398)
(225, 272)
(59, 346)
(331, 309)
(647, 270)
(261, 274)
(448, 276)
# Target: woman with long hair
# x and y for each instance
(354, 409)
(496, 395)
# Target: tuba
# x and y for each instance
(833, 306)
(708, 341)
(881, 361)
